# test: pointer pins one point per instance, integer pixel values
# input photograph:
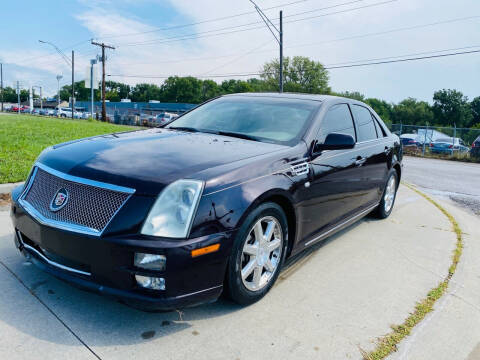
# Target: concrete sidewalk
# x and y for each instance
(338, 298)
(452, 331)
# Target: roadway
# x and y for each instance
(454, 180)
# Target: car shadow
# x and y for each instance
(103, 321)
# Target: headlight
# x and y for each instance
(173, 211)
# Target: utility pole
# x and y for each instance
(18, 96)
(1, 82)
(281, 52)
(59, 77)
(103, 46)
(73, 83)
(278, 38)
(92, 86)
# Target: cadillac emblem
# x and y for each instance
(59, 200)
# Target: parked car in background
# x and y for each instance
(475, 150)
(25, 110)
(43, 112)
(448, 146)
(409, 140)
(214, 202)
(163, 119)
(67, 113)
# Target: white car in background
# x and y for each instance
(67, 113)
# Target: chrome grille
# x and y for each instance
(89, 207)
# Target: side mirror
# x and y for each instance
(335, 142)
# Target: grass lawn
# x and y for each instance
(23, 137)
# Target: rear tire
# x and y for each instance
(258, 254)
(389, 195)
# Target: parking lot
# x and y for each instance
(333, 303)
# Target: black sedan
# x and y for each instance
(215, 201)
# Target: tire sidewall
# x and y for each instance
(237, 290)
(381, 210)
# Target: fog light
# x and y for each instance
(154, 283)
(150, 261)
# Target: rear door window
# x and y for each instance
(380, 131)
(337, 120)
(365, 123)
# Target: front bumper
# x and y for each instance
(105, 264)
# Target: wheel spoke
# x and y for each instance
(257, 275)
(258, 231)
(269, 266)
(269, 231)
(247, 270)
(272, 245)
(250, 249)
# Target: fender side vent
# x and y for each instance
(300, 169)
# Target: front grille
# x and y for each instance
(88, 206)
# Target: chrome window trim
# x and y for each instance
(47, 260)
(66, 225)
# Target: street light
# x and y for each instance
(69, 62)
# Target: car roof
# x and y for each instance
(287, 95)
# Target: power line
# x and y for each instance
(326, 67)
(220, 31)
(320, 43)
(206, 21)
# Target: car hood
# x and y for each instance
(148, 160)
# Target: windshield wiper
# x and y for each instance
(183, 128)
(237, 135)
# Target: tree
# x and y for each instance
(182, 89)
(382, 108)
(412, 112)
(451, 107)
(115, 91)
(300, 75)
(145, 92)
(81, 92)
(475, 108)
(352, 95)
(233, 86)
(210, 89)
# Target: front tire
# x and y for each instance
(258, 254)
(389, 195)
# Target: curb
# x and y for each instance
(7, 188)
(388, 343)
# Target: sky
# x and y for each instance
(211, 37)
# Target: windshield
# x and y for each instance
(274, 120)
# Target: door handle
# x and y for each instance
(360, 161)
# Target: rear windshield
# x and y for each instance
(274, 120)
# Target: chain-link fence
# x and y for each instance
(437, 141)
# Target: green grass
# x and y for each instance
(23, 137)
(388, 343)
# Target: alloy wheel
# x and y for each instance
(389, 196)
(261, 253)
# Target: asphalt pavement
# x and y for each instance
(458, 181)
(335, 300)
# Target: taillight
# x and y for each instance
(431, 144)
(450, 146)
(473, 145)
